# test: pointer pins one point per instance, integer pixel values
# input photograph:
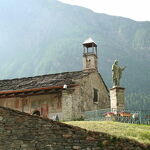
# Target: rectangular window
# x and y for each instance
(95, 98)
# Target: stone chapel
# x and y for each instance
(67, 94)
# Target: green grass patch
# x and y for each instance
(137, 132)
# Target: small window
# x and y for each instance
(95, 98)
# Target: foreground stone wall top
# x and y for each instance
(21, 131)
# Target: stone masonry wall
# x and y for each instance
(83, 95)
(89, 61)
(21, 131)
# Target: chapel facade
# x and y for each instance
(67, 95)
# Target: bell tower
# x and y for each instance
(89, 55)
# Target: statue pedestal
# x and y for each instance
(117, 98)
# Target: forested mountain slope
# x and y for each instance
(46, 36)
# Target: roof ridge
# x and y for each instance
(40, 75)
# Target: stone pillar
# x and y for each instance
(117, 98)
(67, 105)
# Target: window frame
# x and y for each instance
(95, 95)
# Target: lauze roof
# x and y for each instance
(32, 85)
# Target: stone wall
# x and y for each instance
(67, 104)
(89, 61)
(83, 95)
(21, 131)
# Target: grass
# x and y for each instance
(137, 132)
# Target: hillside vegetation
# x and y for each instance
(46, 36)
(137, 132)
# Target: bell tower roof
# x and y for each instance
(89, 43)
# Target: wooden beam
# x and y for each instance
(36, 89)
(30, 94)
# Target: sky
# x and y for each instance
(138, 10)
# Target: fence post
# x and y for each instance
(140, 117)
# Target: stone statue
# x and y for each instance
(116, 73)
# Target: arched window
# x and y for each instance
(36, 113)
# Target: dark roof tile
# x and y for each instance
(41, 81)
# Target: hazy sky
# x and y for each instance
(135, 9)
